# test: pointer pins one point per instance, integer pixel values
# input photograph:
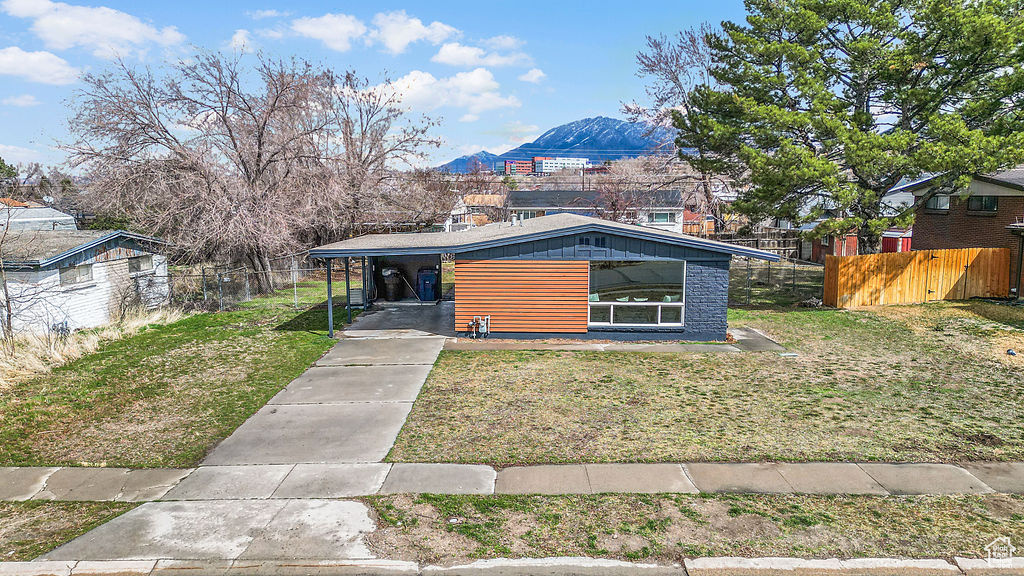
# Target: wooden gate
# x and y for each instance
(916, 276)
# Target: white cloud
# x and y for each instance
(396, 30)
(262, 14)
(456, 54)
(241, 41)
(104, 31)
(502, 42)
(22, 101)
(12, 154)
(534, 76)
(517, 132)
(475, 91)
(469, 118)
(336, 31)
(42, 67)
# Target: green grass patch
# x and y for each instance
(916, 383)
(670, 527)
(165, 396)
(28, 529)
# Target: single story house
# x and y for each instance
(816, 248)
(897, 239)
(19, 215)
(988, 214)
(564, 274)
(74, 279)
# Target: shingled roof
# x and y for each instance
(44, 247)
(504, 233)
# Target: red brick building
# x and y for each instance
(988, 215)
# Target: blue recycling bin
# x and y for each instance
(426, 284)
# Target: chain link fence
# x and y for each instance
(754, 282)
(299, 281)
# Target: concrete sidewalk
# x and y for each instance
(557, 566)
(346, 480)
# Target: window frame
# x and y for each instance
(681, 305)
(142, 271)
(670, 217)
(78, 281)
(931, 203)
(983, 201)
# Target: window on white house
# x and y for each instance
(637, 293)
(73, 275)
(137, 264)
(661, 217)
(983, 203)
(938, 202)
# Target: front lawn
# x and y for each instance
(165, 396)
(28, 529)
(668, 528)
(915, 383)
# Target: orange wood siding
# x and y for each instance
(523, 295)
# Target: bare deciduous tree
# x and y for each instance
(675, 66)
(237, 163)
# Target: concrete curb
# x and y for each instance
(557, 566)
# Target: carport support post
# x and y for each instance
(330, 302)
(362, 287)
(348, 292)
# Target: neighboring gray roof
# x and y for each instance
(584, 198)
(1012, 178)
(503, 233)
(44, 247)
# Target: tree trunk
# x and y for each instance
(868, 242)
(261, 272)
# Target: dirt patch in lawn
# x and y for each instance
(864, 386)
(668, 528)
(28, 529)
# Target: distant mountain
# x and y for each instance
(481, 160)
(598, 139)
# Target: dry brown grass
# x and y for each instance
(921, 383)
(668, 528)
(27, 529)
(36, 353)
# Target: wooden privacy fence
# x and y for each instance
(916, 276)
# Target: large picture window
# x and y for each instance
(637, 293)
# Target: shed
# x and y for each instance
(78, 279)
(567, 274)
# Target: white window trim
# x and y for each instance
(611, 312)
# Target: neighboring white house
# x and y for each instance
(17, 215)
(78, 279)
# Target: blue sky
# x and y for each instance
(497, 75)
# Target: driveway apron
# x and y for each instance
(348, 408)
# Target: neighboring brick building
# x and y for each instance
(988, 216)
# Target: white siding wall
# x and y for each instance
(41, 302)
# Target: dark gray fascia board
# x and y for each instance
(587, 228)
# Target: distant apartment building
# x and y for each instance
(518, 166)
(550, 165)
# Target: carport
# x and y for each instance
(565, 274)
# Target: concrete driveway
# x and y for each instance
(323, 436)
(347, 408)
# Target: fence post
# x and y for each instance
(220, 290)
(204, 283)
(769, 274)
(295, 282)
(794, 276)
(248, 295)
(748, 281)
